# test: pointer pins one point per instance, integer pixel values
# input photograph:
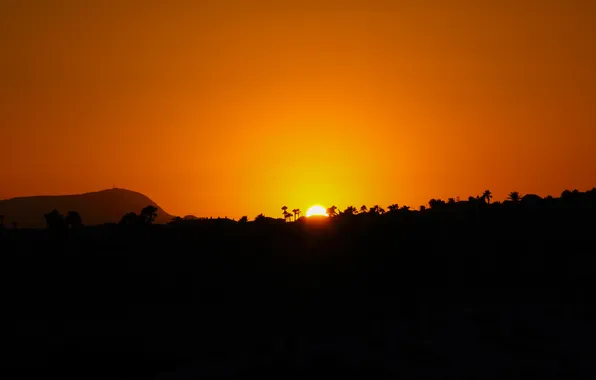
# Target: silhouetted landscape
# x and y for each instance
(459, 289)
(242, 189)
(95, 208)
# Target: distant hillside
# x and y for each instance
(107, 206)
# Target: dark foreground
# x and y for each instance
(487, 295)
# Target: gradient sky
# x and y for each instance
(231, 108)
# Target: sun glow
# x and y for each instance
(316, 210)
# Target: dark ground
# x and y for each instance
(495, 293)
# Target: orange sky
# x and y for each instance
(231, 108)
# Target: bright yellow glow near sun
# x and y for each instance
(316, 210)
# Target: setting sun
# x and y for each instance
(316, 210)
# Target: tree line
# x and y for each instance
(73, 220)
(483, 200)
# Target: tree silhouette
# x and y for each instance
(514, 196)
(487, 196)
(287, 215)
(566, 195)
(363, 209)
(260, 218)
(130, 219)
(350, 210)
(54, 220)
(376, 209)
(435, 203)
(284, 211)
(405, 208)
(296, 212)
(393, 207)
(244, 219)
(451, 201)
(73, 220)
(332, 211)
(423, 208)
(148, 214)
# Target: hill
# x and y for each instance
(107, 206)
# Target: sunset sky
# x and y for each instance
(231, 108)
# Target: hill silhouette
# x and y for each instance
(106, 206)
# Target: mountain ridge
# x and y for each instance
(97, 207)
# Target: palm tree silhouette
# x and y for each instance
(363, 209)
(376, 209)
(487, 196)
(514, 196)
(392, 208)
(284, 210)
(287, 215)
(296, 212)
